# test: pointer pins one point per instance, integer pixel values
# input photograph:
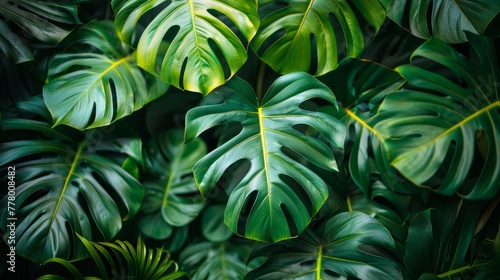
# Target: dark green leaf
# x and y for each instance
(346, 245)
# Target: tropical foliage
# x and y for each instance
(241, 139)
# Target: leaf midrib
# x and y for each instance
(173, 171)
(446, 132)
(76, 160)
(264, 158)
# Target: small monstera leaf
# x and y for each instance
(171, 196)
(97, 82)
(47, 21)
(308, 35)
(189, 43)
(343, 246)
(216, 260)
(283, 194)
(67, 182)
(447, 20)
(430, 129)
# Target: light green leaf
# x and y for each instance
(47, 21)
(429, 130)
(189, 43)
(344, 246)
(99, 85)
(275, 185)
(67, 182)
(294, 35)
(447, 20)
(171, 196)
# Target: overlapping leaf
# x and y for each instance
(441, 242)
(447, 20)
(171, 196)
(281, 194)
(294, 35)
(189, 43)
(47, 21)
(343, 246)
(430, 130)
(66, 183)
(97, 82)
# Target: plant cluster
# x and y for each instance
(250, 139)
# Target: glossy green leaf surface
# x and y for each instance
(342, 246)
(216, 260)
(47, 21)
(171, 196)
(189, 43)
(447, 20)
(97, 82)
(66, 183)
(296, 34)
(212, 224)
(360, 86)
(429, 130)
(275, 185)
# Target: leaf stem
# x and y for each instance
(349, 206)
(454, 271)
(260, 80)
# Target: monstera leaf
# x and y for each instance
(139, 263)
(190, 43)
(447, 20)
(66, 183)
(99, 82)
(360, 86)
(171, 196)
(343, 246)
(216, 260)
(280, 193)
(48, 21)
(307, 35)
(430, 130)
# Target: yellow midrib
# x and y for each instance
(318, 263)
(309, 8)
(363, 123)
(66, 183)
(264, 156)
(448, 131)
(172, 175)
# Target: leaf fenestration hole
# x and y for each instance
(339, 36)
(245, 210)
(229, 23)
(220, 56)
(273, 38)
(183, 71)
(314, 55)
(332, 273)
(92, 115)
(272, 7)
(289, 219)
(112, 88)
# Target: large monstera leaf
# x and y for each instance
(342, 247)
(308, 35)
(281, 193)
(97, 81)
(47, 21)
(67, 182)
(189, 43)
(430, 130)
(171, 196)
(447, 20)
